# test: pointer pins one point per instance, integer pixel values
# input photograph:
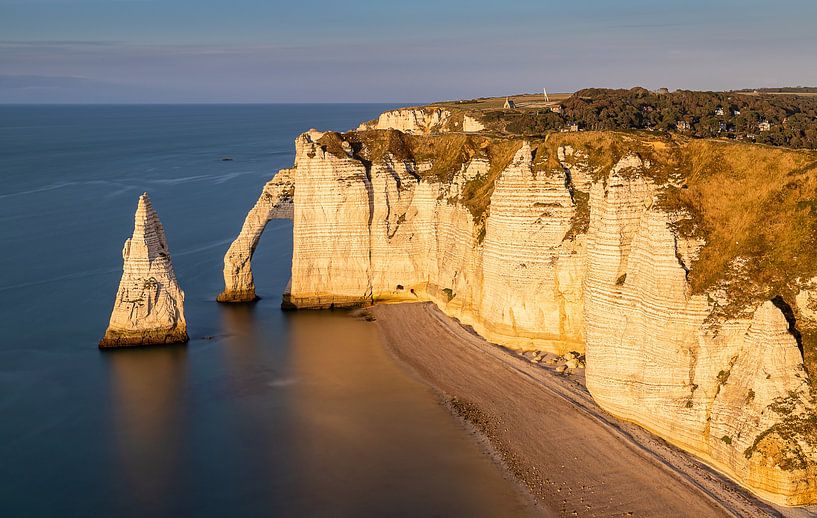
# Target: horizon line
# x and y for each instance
(201, 103)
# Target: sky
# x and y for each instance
(409, 51)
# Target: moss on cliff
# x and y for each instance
(604, 149)
(476, 194)
(446, 154)
(784, 442)
(332, 143)
(580, 221)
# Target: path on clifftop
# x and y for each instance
(576, 458)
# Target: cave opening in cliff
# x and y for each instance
(788, 312)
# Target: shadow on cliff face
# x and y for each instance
(788, 312)
(806, 339)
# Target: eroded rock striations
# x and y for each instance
(149, 305)
(635, 250)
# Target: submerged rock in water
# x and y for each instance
(149, 305)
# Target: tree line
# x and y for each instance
(781, 120)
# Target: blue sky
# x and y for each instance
(392, 51)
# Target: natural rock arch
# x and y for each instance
(275, 202)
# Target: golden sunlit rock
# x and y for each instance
(149, 305)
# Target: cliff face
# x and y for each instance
(149, 305)
(421, 120)
(424, 120)
(614, 245)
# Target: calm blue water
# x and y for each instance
(263, 412)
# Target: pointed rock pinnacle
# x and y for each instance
(149, 305)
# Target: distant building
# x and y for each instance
(509, 104)
(573, 127)
(764, 126)
(683, 126)
(718, 111)
(556, 108)
(662, 91)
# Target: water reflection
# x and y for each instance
(255, 350)
(370, 441)
(256, 378)
(147, 387)
(238, 322)
(290, 414)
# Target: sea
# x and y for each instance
(263, 412)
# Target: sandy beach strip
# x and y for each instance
(576, 459)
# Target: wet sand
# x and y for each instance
(576, 459)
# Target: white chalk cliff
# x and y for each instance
(149, 305)
(421, 120)
(539, 245)
(425, 120)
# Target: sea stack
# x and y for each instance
(149, 305)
